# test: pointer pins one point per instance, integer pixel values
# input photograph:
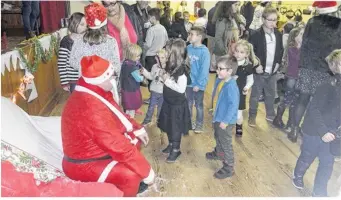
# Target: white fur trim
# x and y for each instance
(327, 10)
(133, 141)
(98, 24)
(140, 132)
(106, 171)
(122, 117)
(150, 177)
(100, 79)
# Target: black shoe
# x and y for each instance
(168, 149)
(173, 155)
(239, 130)
(277, 100)
(278, 122)
(292, 136)
(225, 172)
(298, 183)
(143, 187)
(212, 156)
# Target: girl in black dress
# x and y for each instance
(246, 58)
(174, 116)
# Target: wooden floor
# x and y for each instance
(264, 162)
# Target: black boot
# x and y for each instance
(174, 153)
(143, 187)
(168, 149)
(239, 130)
(225, 172)
(213, 155)
(290, 123)
(300, 169)
(292, 136)
(278, 122)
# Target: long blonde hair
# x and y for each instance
(249, 49)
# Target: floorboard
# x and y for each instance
(264, 161)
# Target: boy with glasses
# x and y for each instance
(267, 44)
(225, 106)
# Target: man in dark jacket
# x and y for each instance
(321, 130)
(141, 9)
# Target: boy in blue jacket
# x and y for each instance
(225, 98)
(199, 57)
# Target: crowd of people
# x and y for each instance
(114, 49)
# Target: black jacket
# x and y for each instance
(210, 25)
(164, 21)
(142, 17)
(135, 22)
(321, 36)
(257, 39)
(324, 111)
(178, 28)
(247, 10)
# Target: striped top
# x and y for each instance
(67, 74)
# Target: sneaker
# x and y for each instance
(298, 183)
(193, 126)
(277, 100)
(198, 130)
(252, 122)
(270, 118)
(146, 101)
(143, 187)
(225, 172)
(212, 156)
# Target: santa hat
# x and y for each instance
(324, 7)
(95, 70)
(95, 16)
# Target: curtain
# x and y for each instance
(51, 13)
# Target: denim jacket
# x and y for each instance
(226, 110)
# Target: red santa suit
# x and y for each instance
(99, 140)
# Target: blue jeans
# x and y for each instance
(196, 98)
(72, 87)
(156, 99)
(30, 14)
(313, 147)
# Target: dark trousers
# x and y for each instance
(223, 138)
(156, 99)
(290, 94)
(196, 98)
(150, 61)
(313, 147)
(30, 14)
(268, 83)
(300, 107)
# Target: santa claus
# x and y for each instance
(100, 142)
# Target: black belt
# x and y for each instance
(107, 157)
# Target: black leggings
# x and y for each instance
(300, 107)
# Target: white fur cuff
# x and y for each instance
(140, 132)
(150, 177)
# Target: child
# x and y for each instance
(267, 43)
(199, 57)
(188, 24)
(201, 21)
(246, 61)
(156, 87)
(130, 80)
(68, 75)
(174, 117)
(225, 105)
(290, 61)
(156, 38)
(321, 130)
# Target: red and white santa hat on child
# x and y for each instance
(324, 7)
(95, 16)
(95, 70)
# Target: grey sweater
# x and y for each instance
(155, 40)
(156, 84)
(107, 50)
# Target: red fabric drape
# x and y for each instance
(51, 12)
